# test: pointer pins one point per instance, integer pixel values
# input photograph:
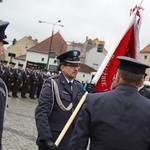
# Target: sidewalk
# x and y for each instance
(19, 128)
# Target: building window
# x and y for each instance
(52, 55)
(95, 64)
(145, 56)
(55, 61)
(42, 59)
(83, 75)
(100, 48)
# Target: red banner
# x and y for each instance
(126, 47)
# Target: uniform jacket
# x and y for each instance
(3, 96)
(3, 72)
(17, 75)
(145, 92)
(25, 76)
(10, 73)
(49, 125)
(114, 120)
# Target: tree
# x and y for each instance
(1, 1)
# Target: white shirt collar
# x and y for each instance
(69, 81)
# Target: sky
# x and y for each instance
(104, 20)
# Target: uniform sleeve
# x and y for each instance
(42, 112)
(79, 140)
(2, 106)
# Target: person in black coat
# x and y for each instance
(10, 71)
(17, 80)
(25, 81)
(57, 101)
(118, 119)
(35, 79)
(4, 70)
(3, 89)
(143, 89)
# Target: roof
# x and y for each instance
(86, 69)
(146, 49)
(57, 44)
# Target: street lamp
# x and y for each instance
(50, 47)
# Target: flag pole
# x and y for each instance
(141, 2)
(95, 80)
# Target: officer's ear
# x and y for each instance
(117, 78)
(142, 81)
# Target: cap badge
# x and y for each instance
(75, 53)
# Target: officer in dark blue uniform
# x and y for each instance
(118, 119)
(59, 97)
(143, 90)
(4, 70)
(10, 76)
(17, 79)
(1, 67)
(35, 79)
(3, 89)
(25, 81)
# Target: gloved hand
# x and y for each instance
(49, 145)
(90, 87)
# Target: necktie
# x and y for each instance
(70, 85)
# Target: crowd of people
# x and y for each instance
(28, 80)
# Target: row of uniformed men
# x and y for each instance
(27, 80)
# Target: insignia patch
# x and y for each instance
(75, 53)
(3, 91)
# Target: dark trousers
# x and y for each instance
(16, 87)
(8, 84)
(33, 90)
(24, 88)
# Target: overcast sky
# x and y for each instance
(102, 19)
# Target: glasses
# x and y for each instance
(73, 66)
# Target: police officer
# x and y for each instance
(59, 97)
(10, 76)
(25, 81)
(42, 77)
(143, 90)
(3, 89)
(35, 77)
(17, 79)
(118, 119)
(1, 67)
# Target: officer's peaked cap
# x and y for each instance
(132, 65)
(70, 57)
(28, 66)
(20, 65)
(12, 63)
(3, 26)
(5, 61)
(37, 68)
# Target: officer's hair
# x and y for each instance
(131, 78)
(62, 63)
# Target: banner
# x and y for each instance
(126, 45)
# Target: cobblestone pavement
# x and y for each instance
(19, 128)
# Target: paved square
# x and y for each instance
(19, 128)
